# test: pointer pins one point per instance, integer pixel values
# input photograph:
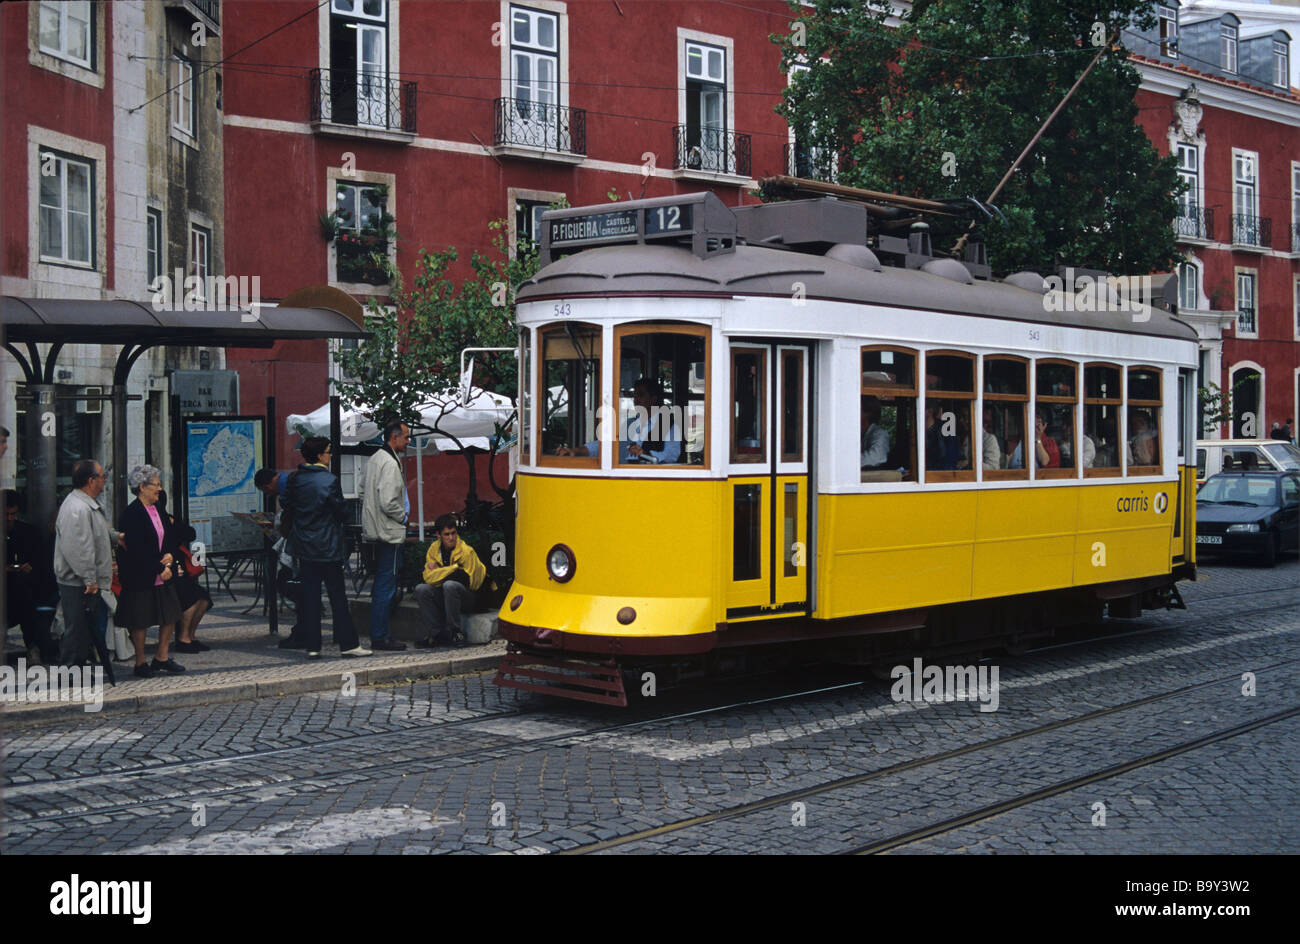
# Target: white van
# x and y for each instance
(1243, 455)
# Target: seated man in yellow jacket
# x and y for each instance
(452, 572)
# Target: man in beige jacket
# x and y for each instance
(385, 508)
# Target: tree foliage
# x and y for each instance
(962, 86)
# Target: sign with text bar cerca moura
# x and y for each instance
(699, 222)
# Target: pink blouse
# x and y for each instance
(157, 526)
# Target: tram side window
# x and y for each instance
(1006, 403)
(662, 392)
(1102, 402)
(570, 395)
(949, 431)
(888, 427)
(1054, 410)
(1144, 403)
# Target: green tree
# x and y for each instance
(941, 105)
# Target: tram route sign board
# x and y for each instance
(700, 221)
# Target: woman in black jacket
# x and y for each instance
(145, 567)
(313, 502)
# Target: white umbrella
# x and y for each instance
(473, 421)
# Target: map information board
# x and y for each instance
(221, 458)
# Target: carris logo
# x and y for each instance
(1162, 502)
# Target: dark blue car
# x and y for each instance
(1255, 514)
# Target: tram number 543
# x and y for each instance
(1033, 335)
(563, 310)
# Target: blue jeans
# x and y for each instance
(384, 590)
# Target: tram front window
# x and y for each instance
(570, 394)
(662, 391)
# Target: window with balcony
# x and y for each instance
(1168, 31)
(804, 158)
(534, 79)
(704, 142)
(66, 31)
(67, 196)
(1228, 48)
(181, 82)
(1248, 229)
(1193, 220)
(362, 234)
(357, 89)
(1246, 323)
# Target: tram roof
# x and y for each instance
(756, 270)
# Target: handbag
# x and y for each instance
(190, 568)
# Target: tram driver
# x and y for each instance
(649, 420)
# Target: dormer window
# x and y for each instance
(1281, 64)
(1228, 48)
(1168, 31)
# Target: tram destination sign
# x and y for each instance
(620, 224)
(698, 221)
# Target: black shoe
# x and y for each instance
(188, 647)
(200, 647)
(171, 667)
(289, 642)
(387, 645)
(144, 670)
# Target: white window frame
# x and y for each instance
(391, 21)
(1262, 406)
(181, 98)
(65, 13)
(356, 11)
(561, 13)
(516, 194)
(1295, 206)
(1169, 38)
(727, 44)
(814, 152)
(333, 177)
(61, 161)
(154, 248)
(1195, 298)
(199, 263)
(1249, 159)
(1252, 275)
(1281, 64)
(1228, 37)
(59, 279)
(1193, 175)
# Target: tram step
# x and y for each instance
(599, 682)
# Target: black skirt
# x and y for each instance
(141, 609)
(188, 592)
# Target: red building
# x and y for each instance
(1218, 91)
(445, 116)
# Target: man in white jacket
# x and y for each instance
(83, 560)
(385, 508)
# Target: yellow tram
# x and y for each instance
(743, 427)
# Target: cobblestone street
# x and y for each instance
(1135, 743)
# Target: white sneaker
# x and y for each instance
(313, 655)
(358, 651)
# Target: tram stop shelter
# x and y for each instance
(134, 327)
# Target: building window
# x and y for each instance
(1295, 206)
(1296, 309)
(201, 256)
(359, 62)
(362, 241)
(1168, 31)
(1245, 222)
(154, 244)
(528, 224)
(67, 195)
(1281, 65)
(1228, 48)
(182, 95)
(66, 31)
(806, 159)
(1189, 202)
(534, 77)
(706, 107)
(1189, 287)
(1246, 303)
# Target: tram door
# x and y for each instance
(767, 479)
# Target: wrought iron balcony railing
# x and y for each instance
(521, 122)
(345, 97)
(1194, 222)
(811, 163)
(1249, 230)
(209, 8)
(710, 149)
(1246, 320)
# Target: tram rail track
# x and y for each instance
(544, 714)
(805, 793)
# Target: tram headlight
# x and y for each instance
(560, 563)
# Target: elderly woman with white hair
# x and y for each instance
(145, 568)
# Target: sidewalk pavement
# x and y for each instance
(245, 662)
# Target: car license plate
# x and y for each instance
(1209, 539)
